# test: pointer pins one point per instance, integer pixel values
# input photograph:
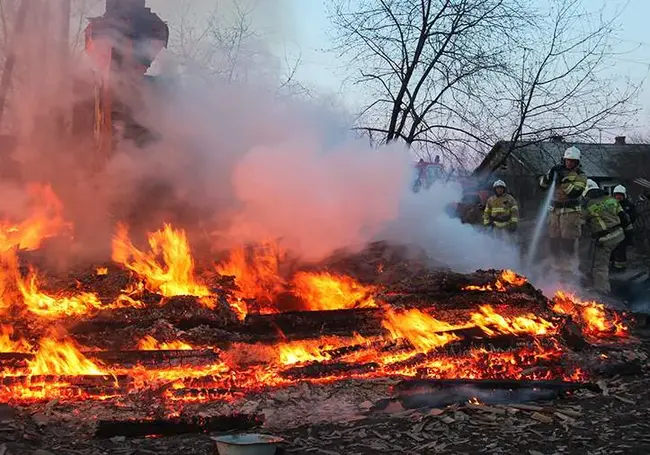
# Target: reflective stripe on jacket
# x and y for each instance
(571, 185)
(603, 215)
(501, 211)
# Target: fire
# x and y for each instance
(61, 358)
(491, 323)
(292, 353)
(45, 221)
(257, 275)
(325, 291)
(149, 343)
(49, 306)
(507, 278)
(8, 344)
(591, 316)
(175, 276)
(101, 271)
(423, 331)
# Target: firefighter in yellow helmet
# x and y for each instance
(606, 221)
(501, 211)
(619, 255)
(565, 221)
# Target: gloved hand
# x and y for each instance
(512, 227)
(555, 172)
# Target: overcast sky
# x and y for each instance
(302, 27)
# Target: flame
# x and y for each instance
(8, 344)
(61, 358)
(45, 221)
(419, 328)
(593, 318)
(175, 277)
(300, 352)
(505, 279)
(101, 271)
(491, 323)
(257, 276)
(325, 291)
(149, 343)
(49, 306)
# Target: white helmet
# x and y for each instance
(572, 153)
(620, 189)
(591, 185)
(499, 183)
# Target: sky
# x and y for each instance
(313, 32)
(302, 29)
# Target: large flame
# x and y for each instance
(61, 358)
(326, 291)
(45, 221)
(591, 316)
(257, 276)
(9, 344)
(175, 276)
(492, 323)
(423, 331)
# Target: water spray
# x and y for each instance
(540, 223)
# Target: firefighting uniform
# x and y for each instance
(619, 255)
(606, 221)
(502, 213)
(565, 221)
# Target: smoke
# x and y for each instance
(423, 220)
(232, 162)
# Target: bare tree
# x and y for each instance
(227, 44)
(561, 81)
(420, 60)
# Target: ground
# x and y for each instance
(614, 422)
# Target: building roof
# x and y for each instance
(624, 161)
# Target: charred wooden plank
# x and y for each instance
(74, 381)
(171, 427)
(155, 357)
(323, 370)
(565, 386)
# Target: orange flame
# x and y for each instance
(45, 221)
(175, 277)
(325, 291)
(61, 358)
(419, 328)
(507, 277)
(257, 276)
(491, 322)
(591, 316)
(149, 343)
(8, 344)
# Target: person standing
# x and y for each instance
(501, 211)
(606, 221)
(565, 222)
(619, 255)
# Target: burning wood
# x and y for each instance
(160, 323)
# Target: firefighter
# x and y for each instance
(619, 255)
(606, 221)
(565, 218)
(501, 211)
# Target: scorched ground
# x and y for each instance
(163, 334)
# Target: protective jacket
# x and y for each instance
(630, 211)
(501, 211)
(570, 184)
(604, 216)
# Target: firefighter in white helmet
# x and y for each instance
(606, 221)
(565, 218)
(501, 211)
(619, 255)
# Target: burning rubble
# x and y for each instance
(165, 322)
